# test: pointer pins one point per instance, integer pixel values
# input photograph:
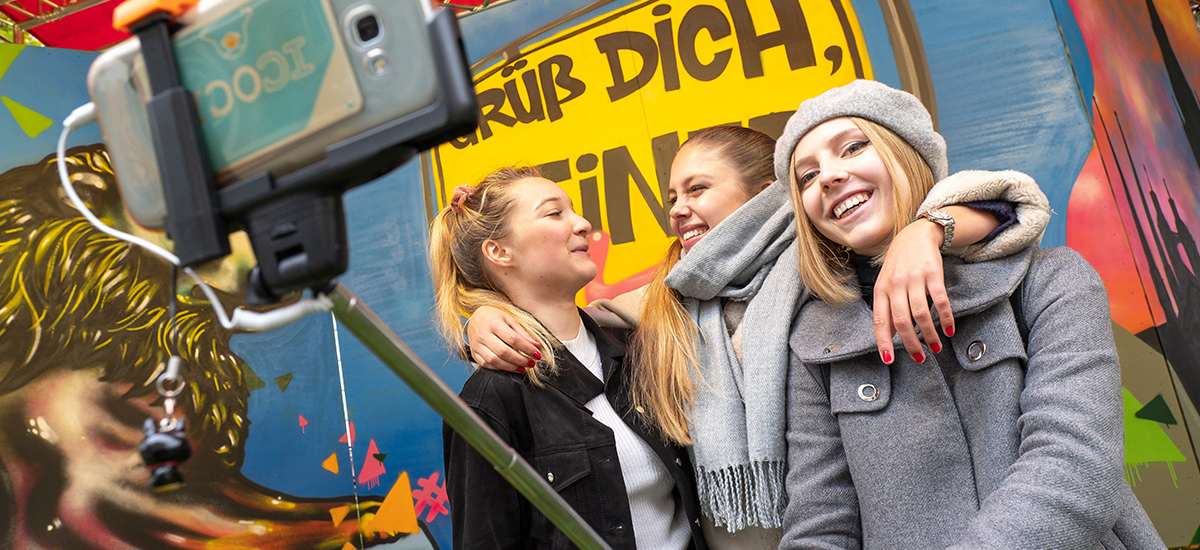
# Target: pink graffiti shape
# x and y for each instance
(598, 288)
(433, 495)
(303, 423)
(351, 434)
(372, 468)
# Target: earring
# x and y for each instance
(845, 254)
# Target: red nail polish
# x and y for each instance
(935, 347)
(530, 363)
(520, 370)
(949, 331)
(536, 355)
(887, 356)
(919, 357)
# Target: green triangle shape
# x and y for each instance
(1196, 537)
(283, 381)
(380, 456)
(253, 382)
(8, 54)
(31, 121)
(1158, 411)
(1146, 441)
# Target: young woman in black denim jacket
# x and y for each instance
(515, 243)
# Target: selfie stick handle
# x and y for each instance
(193, 220)
(388, 347)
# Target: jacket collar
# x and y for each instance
(824, 332)
(573, 379)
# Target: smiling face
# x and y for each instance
(847, 192)
(704, 190)
(546, 248)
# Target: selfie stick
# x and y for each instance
(303, 211)
(388, 347)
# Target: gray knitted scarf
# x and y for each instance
(738, 423)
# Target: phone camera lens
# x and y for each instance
(367, 28)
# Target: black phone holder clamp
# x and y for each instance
(296, 221)
(194, 221)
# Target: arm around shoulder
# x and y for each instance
(1032, 208)
(623, 311)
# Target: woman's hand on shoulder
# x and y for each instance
(497, 342)
(911, 275)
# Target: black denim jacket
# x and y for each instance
(557, 435)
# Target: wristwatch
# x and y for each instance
(942, 218)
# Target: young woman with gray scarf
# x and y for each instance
(710, 352)
(1010, 438)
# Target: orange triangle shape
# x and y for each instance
(331, 463)
(348, 546)
(338, 514)
(396, 514)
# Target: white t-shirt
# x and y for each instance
(658, 521)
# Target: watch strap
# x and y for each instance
(942, 218)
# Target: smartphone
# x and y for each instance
(275, 83)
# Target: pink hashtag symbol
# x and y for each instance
(433, 495)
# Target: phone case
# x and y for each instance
(270, 96)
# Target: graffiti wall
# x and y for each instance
(1133, 214)
(601, 95)
(298, 440)
(304, 440)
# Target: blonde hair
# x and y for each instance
(461, 280)
(824, 266)
(663, 347)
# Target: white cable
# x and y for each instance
(78, 118)
(243, 319)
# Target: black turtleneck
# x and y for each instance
(867, 274)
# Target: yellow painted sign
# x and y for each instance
(603, 106)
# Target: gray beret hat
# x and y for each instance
(896, 110)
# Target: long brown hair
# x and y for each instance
(664, 346)
(822, 268)
(461, 280)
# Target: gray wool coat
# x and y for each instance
(992, 443)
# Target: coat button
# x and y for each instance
(678, 462)
(975, 350)
(868, 392)
(832, 348)
(550, 477)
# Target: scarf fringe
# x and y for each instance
(743, 495)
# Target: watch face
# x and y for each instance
(939, 216)
(945, 220)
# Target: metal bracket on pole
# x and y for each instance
(377, 337)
